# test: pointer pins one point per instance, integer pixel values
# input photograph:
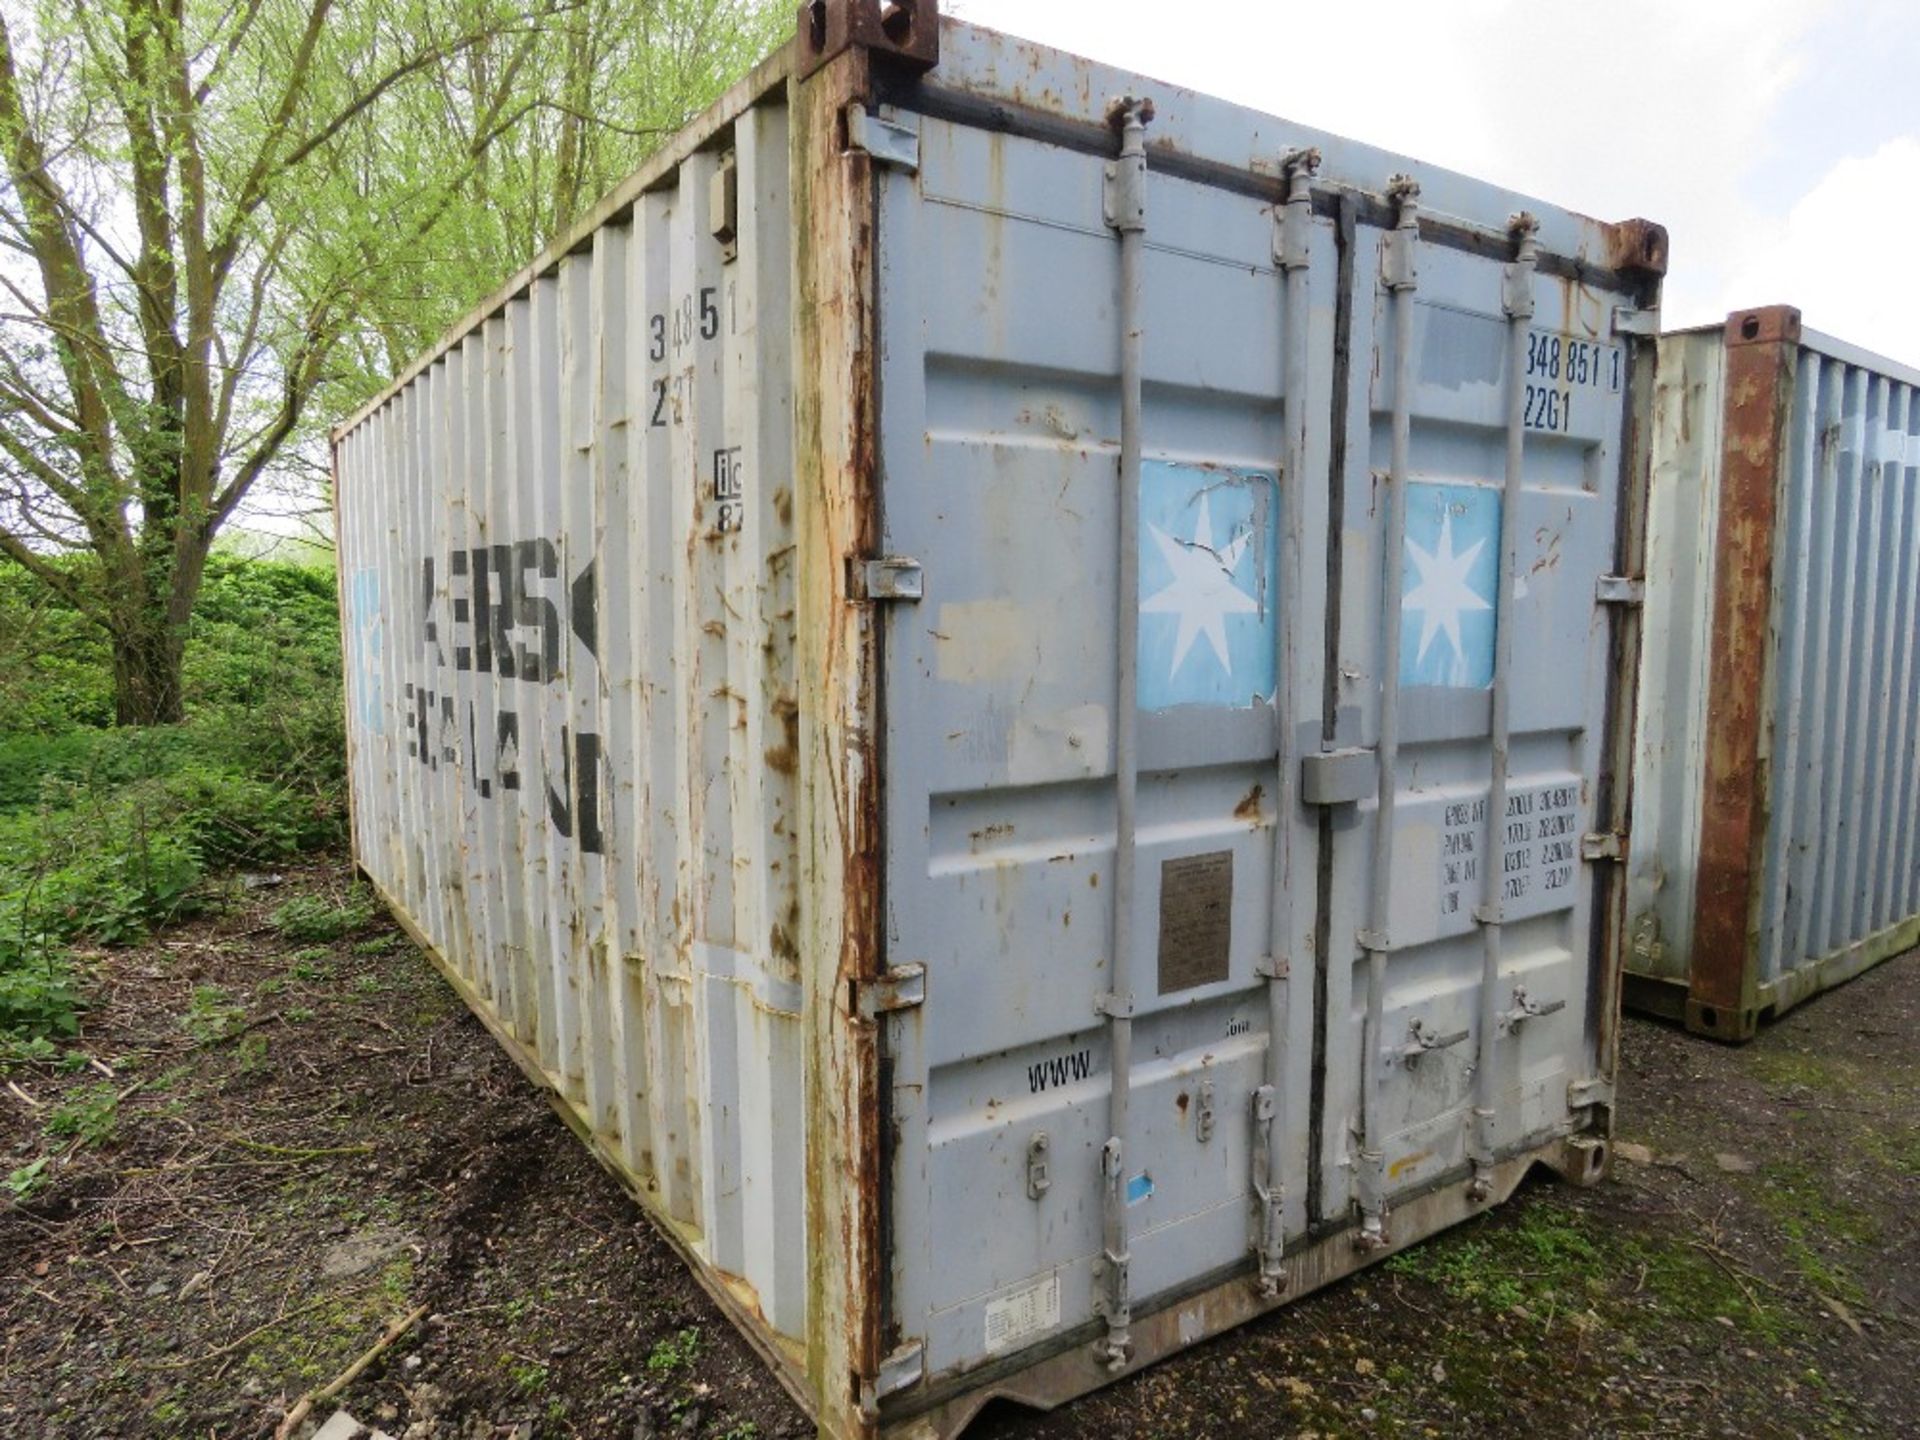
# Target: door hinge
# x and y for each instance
(1619, 590)
(1339, 777)
(1629, 321)
(886, 141)
(901, 988)
(1603, 845)
(888, 577)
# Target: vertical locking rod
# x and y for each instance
(1491, 912)
(1126, 201)
(1399, 277)
(1291, 242)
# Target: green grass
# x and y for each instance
(307, 919)
(1543, 1260)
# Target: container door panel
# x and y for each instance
(1000, 419)
(1444, 570)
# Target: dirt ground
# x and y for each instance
(266, 1149)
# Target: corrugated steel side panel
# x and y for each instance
(569, 562)
(1824, 879)
(1842, 878)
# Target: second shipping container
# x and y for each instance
(1776, 827)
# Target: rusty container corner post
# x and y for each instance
(876, 666)
(1762, 351)
(904, 33)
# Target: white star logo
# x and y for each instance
(1202, 593)
(1443, 595)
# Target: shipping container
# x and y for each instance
(1776, 819)
(1015, 685)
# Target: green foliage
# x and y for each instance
(677, 1352)
(39, 1003)
(529, 1376)
(105, 833)
(25, 1182)
(314, 918)
(31, 1050)
(211, 1014)
(56, 679)
(88, 1114)
(330, 186)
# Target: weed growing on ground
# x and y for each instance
(27, 1181)
(307, 919)
(88, 1114)
(677, 1352)
(529, 1376)
(211, 1015)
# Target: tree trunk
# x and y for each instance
(147, 655)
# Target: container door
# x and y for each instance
(1000, 427)
(1409, 904)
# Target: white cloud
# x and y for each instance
(1840, 251)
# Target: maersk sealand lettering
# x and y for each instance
(506, 620)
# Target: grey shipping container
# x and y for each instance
(1014, 684)
(1776, 817)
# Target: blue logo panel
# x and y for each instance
(1449, 573)
(1207, 586)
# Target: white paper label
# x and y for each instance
(1020, 1315)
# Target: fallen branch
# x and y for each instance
(26, 1099)
(346, 1377)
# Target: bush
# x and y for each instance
(105, 833)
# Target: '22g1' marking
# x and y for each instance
(1557, 366)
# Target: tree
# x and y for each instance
(222, 224)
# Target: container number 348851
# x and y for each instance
(1557, 367)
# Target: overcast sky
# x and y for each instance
(1777, 140)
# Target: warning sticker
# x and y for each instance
(1196, 920)
(1020, 1315)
